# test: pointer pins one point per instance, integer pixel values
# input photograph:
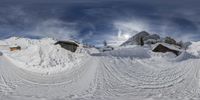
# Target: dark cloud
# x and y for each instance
(95, 21)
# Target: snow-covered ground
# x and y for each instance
(43, 71)
(41, 56)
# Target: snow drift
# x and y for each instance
(42, 56)
(194, 49)
(132, 52)
(122, 74)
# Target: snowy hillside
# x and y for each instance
(44, 71)
(42, 56)
(146, 37)
(194, 48)
(135, 39)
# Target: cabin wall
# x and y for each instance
(15, 48)
(69, 47)
(164, 49)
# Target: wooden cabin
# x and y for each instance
(68, 45)
(15, 48)
(166, 48)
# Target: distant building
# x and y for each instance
(163, 47)
(68, 45)
(15, 48)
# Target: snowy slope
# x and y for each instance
(131, 73)
(132, 52)
(42, 56)
(134, 40)
(194, 48)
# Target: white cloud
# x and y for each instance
(131, 26)
(127, 28)
(55, 29)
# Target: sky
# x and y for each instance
(93, 21)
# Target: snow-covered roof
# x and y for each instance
(67, 42)
(170, 46)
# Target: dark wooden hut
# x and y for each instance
(68, 45)
(163, 48)
(15, 48)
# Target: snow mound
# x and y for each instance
(136, 52)
(184, 56)
(42, 56)
(167, 55)
(26, 42)
(194, 49)
(87, 51)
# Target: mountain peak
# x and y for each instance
(144, 32)
(134, 39)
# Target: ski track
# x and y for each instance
(104, 78)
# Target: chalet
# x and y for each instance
(68, 45)
(15, 48)
(164, 47)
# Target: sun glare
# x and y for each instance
(126, 36)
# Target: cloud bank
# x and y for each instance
(92, 21)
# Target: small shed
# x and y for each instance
(68, 45)
(15, 48)
(163, 47)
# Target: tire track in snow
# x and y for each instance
(164, 79)
(81, 76)
(110, 77)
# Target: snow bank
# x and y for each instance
(136, 52)
(87, 51)
(26, 42)
(167, 55)
(184, 56)
(194, 49)
(41, 56)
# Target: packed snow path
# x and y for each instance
(105, 78)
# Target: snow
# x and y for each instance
(147, 38)
(185, 56)
(41, 56)
(136, 52)
(135, 40)
(127, 73)
(170, 46)
(194, 49)
(87, 50)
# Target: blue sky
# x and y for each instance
(93, 21)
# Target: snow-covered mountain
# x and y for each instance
(134, 40)
(150, 39)
(145, 36)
